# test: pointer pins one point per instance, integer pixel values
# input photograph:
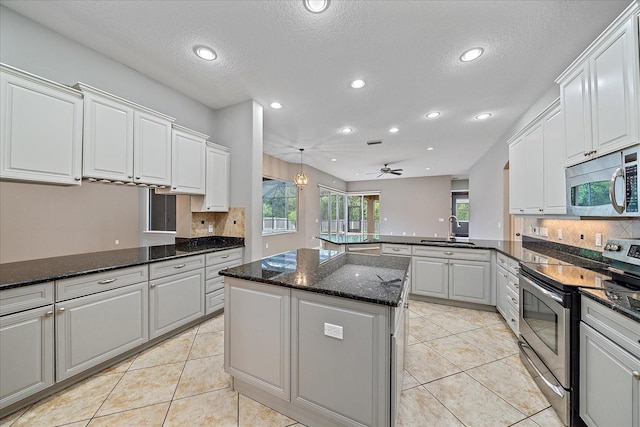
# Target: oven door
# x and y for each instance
(544, 325)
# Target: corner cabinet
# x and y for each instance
(218, 173)
(536, 166)
(40, 129)
(452, 273)
(600, 92)
(124, 142)
(187, 161)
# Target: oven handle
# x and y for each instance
(557, 390)
(547, 293)
(612, 190)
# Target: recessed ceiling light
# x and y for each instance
(393, 130)
(316, 6)
(432, 115)
(276, 105)
(357, 173)
(483, 116)
(357, 84)
(205, 53)
(334, 160)
(346, 130)
(427, 169)
(471, 54)
(430, 149)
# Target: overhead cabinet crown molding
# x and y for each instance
(50, 152)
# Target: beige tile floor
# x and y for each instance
(462, 370)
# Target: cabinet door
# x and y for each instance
(152, 149)
(609, 393)
(574, 98)
(188, 160)
(470, 281)
(175, 300)
(40, 131)
(257, 335)
(502, 281)
(555, 199)
(108, 139)
(614, 102)
(430, 277)
(218, 173)
(534, 170)
(95, 328)
(517, 176)
(26, 354)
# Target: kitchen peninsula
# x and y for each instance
(319, 335)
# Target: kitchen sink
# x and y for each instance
(446, 242)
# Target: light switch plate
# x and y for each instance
(333, 331)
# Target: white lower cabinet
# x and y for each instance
(26, 353)
(609, 367)
(95, 328)
(214, 285)
(452, 273)
(507, 290)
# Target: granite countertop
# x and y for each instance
(377, 279)
(626, 302)
(24, 273)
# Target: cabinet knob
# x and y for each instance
(514, 300)
(513, 320)
(77, 178)
(153, 285)
(540, 209)
(129, 176)
(61, 310)
(137, 177)
(208, 207)
(636, 375)
(448, 253)
(174, 188)
(48, 313)
(521, 210)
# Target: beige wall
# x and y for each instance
(411, 206)
(41, 221)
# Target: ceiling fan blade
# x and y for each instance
(396, 170)
(379, 175)
(372, 173)
(395, 173)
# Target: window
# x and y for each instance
(462, 209)
(349, 213)
(162, 212)
(279, 206)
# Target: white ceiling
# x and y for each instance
(406, 51)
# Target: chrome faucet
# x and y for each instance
(452, 235)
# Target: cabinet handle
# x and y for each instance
(222, 299)
(48, 313)
(137, 177)
(513, 320)
(448, 253)
(521, 210)
(540, 209)
(514, 300)
(636, 375)
(61, 310)
(501, 260)
(104, 282)
(208, 207)
(225, 257)
(174, 188)
(77, 178)
(179, 266)
(395, 249)
(129, 176)
(504, 275)
(153, 285)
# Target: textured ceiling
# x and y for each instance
(406, 51)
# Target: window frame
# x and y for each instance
(297, 204)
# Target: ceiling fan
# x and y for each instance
(385, 170)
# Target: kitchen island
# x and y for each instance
(319, 335)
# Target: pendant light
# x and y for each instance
(301, 180)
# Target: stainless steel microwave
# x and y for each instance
(606, 186)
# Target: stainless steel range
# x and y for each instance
(550, 317)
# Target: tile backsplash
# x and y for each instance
(230, 224)
(580, 233)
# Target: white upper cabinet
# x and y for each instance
(125, 142)
(216, 198)
(536, 166)
(40, 129)
(599, 92)
(188, 170)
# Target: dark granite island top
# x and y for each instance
(30, 272)
(377, 279)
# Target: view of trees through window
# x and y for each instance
(279, 206)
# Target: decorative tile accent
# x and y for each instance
(230, 224)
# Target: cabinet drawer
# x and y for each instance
(454, 253)
(175, 266)
(513, 299)
(214, 284)
(514, 284)
(215, 301)
(223, 257)
(514, 267)
(618, 328)
(93, 283)
(508, 263)
(513, 320)
(25, 297)
(389, 249)
(212, 272)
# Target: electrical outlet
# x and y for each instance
(544, 232)
(440, 219)
(598, 239)
(333, 331)
(559, 233)
(266, 246)
(581, 236)
(210, 228)
(117, 242)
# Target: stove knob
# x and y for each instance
(607, 247)
(615, 248)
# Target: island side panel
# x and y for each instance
(348, 379)
(257, 335)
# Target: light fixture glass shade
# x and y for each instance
(301, 180)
